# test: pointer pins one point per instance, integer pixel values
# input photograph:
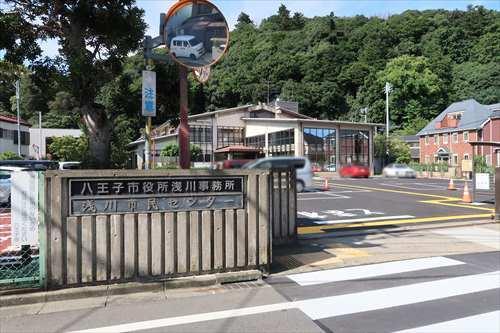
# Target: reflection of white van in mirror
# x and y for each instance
(186, 46)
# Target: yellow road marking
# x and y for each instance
(323, 228)
(439, 199)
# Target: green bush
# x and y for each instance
(8, 155)
(480, 165)
(69, 148)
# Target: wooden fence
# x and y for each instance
(104, 248)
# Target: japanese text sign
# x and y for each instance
(146, 195)
(148, 93)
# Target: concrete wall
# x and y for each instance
(112, 248)
(7, 142)
(35, 136)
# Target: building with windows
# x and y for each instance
(413, 142)
(9, 135)
(447, 137)
(251, 131)
(41, 138)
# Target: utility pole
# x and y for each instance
(40, 135)
(365, 114)
(18, 93)
(388, 89)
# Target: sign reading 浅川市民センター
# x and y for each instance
(148, 195)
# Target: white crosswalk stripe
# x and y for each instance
(439, 289)
(367, 271)
(484, 323)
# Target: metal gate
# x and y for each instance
(20, 254)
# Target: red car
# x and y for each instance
(355, 171)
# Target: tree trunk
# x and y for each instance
(99, 131)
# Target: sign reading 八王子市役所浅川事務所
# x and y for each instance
(147, 195)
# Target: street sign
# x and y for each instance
(482, 181)
(202, 74)
(148, 94)
(154, 194)
(195, 33)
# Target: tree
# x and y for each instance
(244, 20)
(399, 151)
(172, 150)
(417, 90)
(69, 148)
(94, 37)
(63, 112)
(478, 81)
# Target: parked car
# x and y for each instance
(69, 165)
(354, 171)
(316, 168)
(186, 46)
(234, 164)
(331, 167)
(302, 165)
(38, 165)
(5, 184)
(399, 170)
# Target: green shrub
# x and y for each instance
(8, 155)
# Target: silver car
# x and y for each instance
(304, 172)
(399, 170)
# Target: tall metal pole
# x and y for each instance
(184, 153)
(147, 145)
(387, 91)
(18, 93)
(40, 135)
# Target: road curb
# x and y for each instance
(389, 229)
(21, 297)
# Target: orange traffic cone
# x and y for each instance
(451, 186)
(325, 185)
(466, 197)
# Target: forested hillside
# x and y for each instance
(333, 66)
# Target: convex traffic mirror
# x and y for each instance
(196, 33)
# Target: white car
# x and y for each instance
(186, 46)
(399, 170)
(5, 183)
(304, 173)
(69, 165)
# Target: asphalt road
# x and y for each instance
(376, 202)
(429, 293)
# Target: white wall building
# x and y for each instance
(268, 130)
(9, 135)
(41, 138)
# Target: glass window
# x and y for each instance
(455, 137)
(229, 136)
(466, 136)
(426, 139)
(319, 147)
(445, 138)
(354, 147)
(282, 143)
(201, 136)
(436, 139)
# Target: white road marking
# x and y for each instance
(333, 306)
(367, 219)
(478, 235)
(484, 323)
(324, 307)
(372, 270)
(312, 215)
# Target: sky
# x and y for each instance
(260, 9)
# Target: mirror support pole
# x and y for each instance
(183, 135)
